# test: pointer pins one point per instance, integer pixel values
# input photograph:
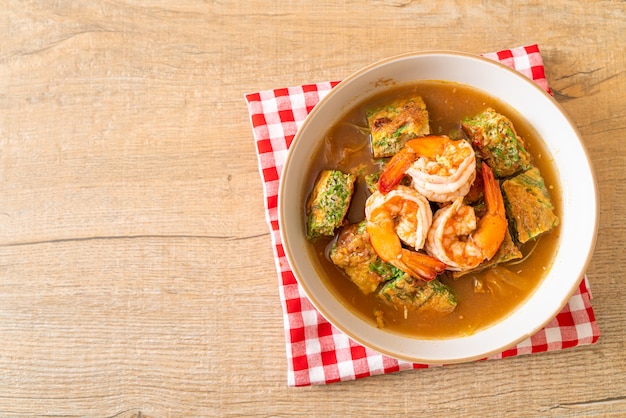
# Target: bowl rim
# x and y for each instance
(398, 355)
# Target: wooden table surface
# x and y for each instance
(136, 269)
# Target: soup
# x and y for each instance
(483, 297)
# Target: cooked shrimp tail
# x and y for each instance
(395, 169)
(420, 265)
(491, 227)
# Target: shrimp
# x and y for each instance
(410, 210)
(403, 215)
(461, 241)
(442, 169)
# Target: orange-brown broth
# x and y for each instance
(448, 104)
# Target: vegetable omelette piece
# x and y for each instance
(371, 181)
(328, 203)
(412, 294)
(496, 141)
(353, 253)
(528, 205)
(393, 124)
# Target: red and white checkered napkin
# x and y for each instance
(317, 352)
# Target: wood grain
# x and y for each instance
(136, 272)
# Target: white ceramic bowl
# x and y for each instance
(578, 217)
